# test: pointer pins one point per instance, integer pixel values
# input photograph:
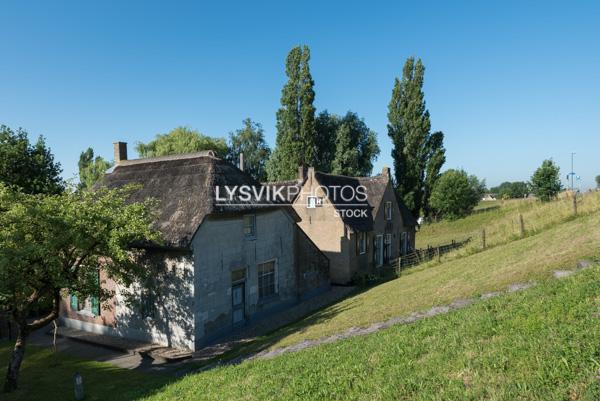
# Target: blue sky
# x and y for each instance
(509, 83)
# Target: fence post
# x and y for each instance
(439, 255)
(575, 204)
(483, 238)
(521, 225)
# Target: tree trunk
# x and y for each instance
(14, 364)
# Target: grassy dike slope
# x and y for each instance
(501, 220)
(528, 259)
(539, 344)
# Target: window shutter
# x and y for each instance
(95, 306)
(94, 300)
(357, 242)
(74, 302)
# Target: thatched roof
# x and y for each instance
(289, 189)
(184, 186)
(375, 187)
(372, 184)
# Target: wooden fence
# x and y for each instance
(419, 256)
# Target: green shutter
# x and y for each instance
(95, 306)
(74, 302)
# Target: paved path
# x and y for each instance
(130, 354)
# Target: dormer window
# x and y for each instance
(313, 202)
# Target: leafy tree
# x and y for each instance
(355, 147)
(296, 127)
(455, 194)
(545, 181)
(29, 167)
(511, 190)
(55, 243)
(409, 128)
(181, 140)
(598, 181)
(250, 141)
(436, 157)
(91, 169)
(327, 126)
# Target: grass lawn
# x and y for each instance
(501, 220)
(527, 259)
(539, 344)
(48, 376)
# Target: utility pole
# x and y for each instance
(572, 172)
(573, 194)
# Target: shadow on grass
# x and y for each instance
(246, 347)
(47, 375)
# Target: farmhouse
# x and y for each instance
(222, 263)
(357, 222)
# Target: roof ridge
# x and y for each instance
(182, 156)
(349, 176)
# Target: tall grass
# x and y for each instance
(501, 221)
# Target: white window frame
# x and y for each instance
(387, 208)
(252, 233)
(275, 278)
(313, 202)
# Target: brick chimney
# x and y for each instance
(301, 173)
(385, 172)
(242, 161)
(120, 151)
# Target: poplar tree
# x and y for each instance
(355, 147)
(296, 129)
(409, 129)
(436, 157)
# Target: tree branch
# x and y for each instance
(36, 324)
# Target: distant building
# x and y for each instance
(488, 197)
(358, 236)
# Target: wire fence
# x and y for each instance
(419, 256)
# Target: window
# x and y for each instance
(388, 210)
(89, 306)
(148, 299)
(387, 249)
(404, 242)
(250, 225)
(238, 275)
(267, 280)
(362, 242)
(313, 202)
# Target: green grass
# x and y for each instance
(558, 241)
(500, 219)
(527, 259)
(48, 376)
(540, 344)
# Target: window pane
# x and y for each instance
(249, 224)
(266, 279)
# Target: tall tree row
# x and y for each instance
(296, 127)
(418, 154)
